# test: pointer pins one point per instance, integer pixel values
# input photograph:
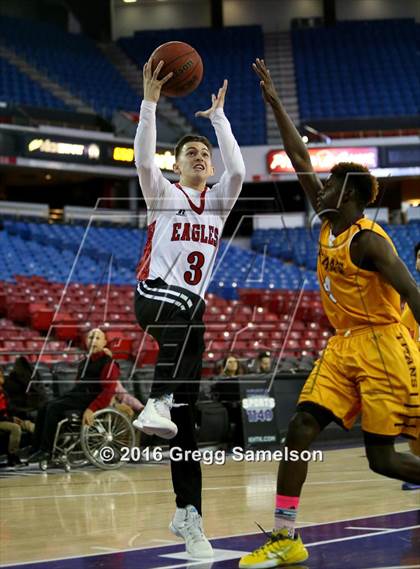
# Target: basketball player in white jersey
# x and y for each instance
(185, 223)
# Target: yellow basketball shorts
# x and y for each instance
(373, 371)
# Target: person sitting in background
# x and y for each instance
(230, 366)
(24, 389)
(95, 386)
(264, 363)
(11, 425)
(226, 391)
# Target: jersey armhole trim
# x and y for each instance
(349, 245)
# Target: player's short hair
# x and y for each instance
(366, 186)
(416, 249)
(191, 138)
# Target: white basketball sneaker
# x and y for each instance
(155, 419)
(188, 524)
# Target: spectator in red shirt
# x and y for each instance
(95, 386)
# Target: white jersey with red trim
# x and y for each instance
(182, 239)
(184, 225)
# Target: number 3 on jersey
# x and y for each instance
(196, 260)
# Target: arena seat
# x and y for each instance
(17, 340)
(275, 314)
(49, 250)
(76, 63)
(299, 246)
(17, 87)
(357, 69)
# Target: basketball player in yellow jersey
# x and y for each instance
(372, 365)
(408, 317)
(414, 328)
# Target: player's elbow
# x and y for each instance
(142, 159)
(144, 169)
(410, 293)
(301, 164)
(237, 176)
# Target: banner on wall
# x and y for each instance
(105, 154)
(165, 159)
(79, 150)
(323, 159)
(82, 150)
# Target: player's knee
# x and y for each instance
(381, 454)
(381, 466)
(381, 461)
(15, 429)
(303, 430)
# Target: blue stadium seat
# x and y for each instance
(357, 69)
(299, 246)
(279, 259)
(17, 87)
(73, 61)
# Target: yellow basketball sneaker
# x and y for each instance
(278, 551)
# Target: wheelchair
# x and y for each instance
(77, 445)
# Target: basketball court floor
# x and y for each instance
(350, 518)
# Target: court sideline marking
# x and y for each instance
(223, 537)
(170, 490)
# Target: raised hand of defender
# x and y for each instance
(267, 86)
(151, 84)
(216, 102)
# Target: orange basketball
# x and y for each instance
(185, 63)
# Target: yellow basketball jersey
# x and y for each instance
(353, 297)
(412, 324)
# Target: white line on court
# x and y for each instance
(170, 490)
(188, 564)
(397, 567)
(349, 538)
(133, 539)
(193, 563)
(105, 549)
(231, 536)
(366, 529)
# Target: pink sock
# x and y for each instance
(285, 513)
